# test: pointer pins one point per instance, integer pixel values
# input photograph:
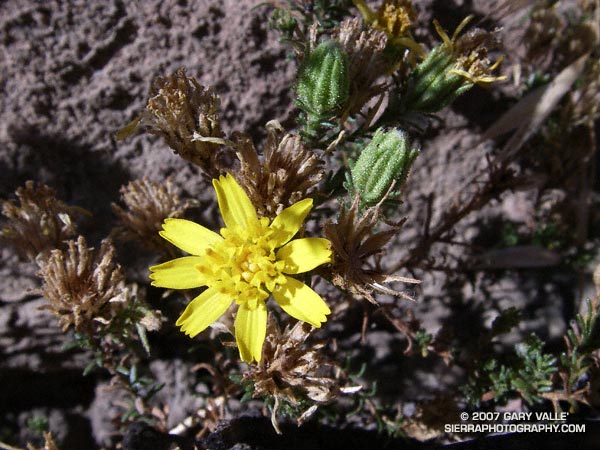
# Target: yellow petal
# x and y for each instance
(236, 208)
(302, 255)
(250, 330)
(188, 236)
(180, 273)
(202, 311)
(290, 220)
(301, 302)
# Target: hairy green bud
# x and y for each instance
(384, 161)
(323, 81)
(433, 85)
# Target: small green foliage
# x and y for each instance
(534, 375)
(505, 321)
(423, 340)
(38, 424)
(587, 337)
(283, 21)
(582, 338)
(382, 165)
(299, 16)
(528, 375)
(509, 235)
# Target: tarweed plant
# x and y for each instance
(310, 224)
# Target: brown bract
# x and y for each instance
(286, 174)
(354, 243)
(292, 370)
(367, 63)
(84, 287)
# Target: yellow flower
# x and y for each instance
(247, 262)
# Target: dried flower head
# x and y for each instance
(354, 242)
(251, 259)
(40, 222)
(366, 61)
(84, 288)
(185, 114)
(287, 173)
(395, 19)
(291, 370)
(470, 52)
(147, 205)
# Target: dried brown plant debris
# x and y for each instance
(286, 174)
(429, 418)
(542, 33)
(291, 370)
(39, 222)
(49, 443)
(205, 420)
(84, 287)
(367, 62)
(147, 205)
(585, 101)
(355, 247)
(185, 114)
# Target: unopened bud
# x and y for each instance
(323, 80)
(384, 162)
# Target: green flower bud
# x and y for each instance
(432, 85)
(323, 81)
(451, 69)
(385, 160)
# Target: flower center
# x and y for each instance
(244, 265)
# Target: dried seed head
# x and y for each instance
(40, 222)
(287, 173)
(84, 288)
(185, 114)
(147, 205)
(354, 243)
(395, 19)
(366, 61)
(290, 370)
